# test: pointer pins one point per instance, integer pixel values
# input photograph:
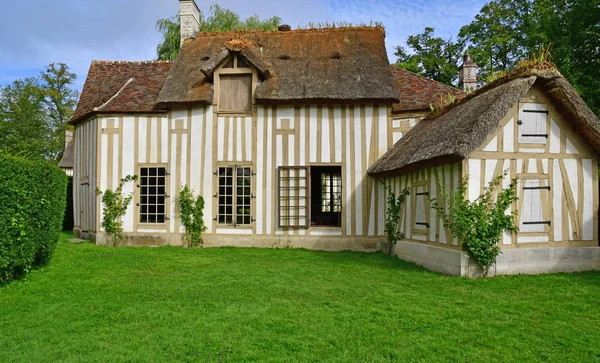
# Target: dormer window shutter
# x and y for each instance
(532, 124)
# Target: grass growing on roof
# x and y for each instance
(101, 304)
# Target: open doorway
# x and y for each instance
(326, 196)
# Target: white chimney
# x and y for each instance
(189, 19)
(68, 137)
(467, 74)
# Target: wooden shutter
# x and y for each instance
(420, 219)
(532, 124)
(535, 198)
(235, 93)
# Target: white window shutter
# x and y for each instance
(532, 124)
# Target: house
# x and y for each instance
(531, 124)
(286, 134)
(66, 161)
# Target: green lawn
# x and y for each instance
(237, 304)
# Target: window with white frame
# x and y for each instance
(293, 197)
(532, 124)
(235, 195)
(152, 203)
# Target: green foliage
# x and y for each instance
(32, 200)
(431, 57)
(191, 210)
(445, 100)
(392, 215)
(114, 207)
(479, 224)
(34, 113)
(168, 48)
(219, 20)
(505, 32)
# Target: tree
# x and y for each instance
(497, 36)
(506, 32)
(220, 20)
(24, 129)
(60, 101)
(431, 57)
(34, 113)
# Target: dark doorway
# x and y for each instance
(326, 196)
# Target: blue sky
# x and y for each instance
(35, 33)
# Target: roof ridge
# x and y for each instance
(130, 62)
(114, 96)
(278, 32)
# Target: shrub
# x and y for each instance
(191, 210)
(114, 207)
(479, 224)
(32, 200)
(392, 216)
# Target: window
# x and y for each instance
(293, 197)
(331, 193)
(235, 195)
(534, 218)
(532, 124)
(235, 86)
(152, 194)
(326, 196)
(420, 208)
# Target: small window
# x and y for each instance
(420, 200)
(532, 124)
(235, 94)
(293, 197)
(235, 195)
(152, 195)
(535, 196)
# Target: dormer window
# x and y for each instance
(236, 84)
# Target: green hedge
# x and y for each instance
(32, 205)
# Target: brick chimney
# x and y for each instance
(467, 74)
(68, 137)
(189, 18)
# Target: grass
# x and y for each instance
(97, 303)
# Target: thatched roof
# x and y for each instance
(462, 127)
(119, 86)
(67, 160)
(297, 66)
(418, 92)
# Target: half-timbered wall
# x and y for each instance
(402, 123)
(193, 143)
(556, 173)
(418, 221)
(84, 176)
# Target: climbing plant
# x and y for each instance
(479, 224)
(392, 216)
(114, 207)
(191, 210)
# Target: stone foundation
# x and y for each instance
(510, 262)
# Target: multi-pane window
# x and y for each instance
(152, 194)
(331, 193)
(420, 207)
(293, 197)
(532, 124)
(235, 195)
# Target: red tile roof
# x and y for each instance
(418, 92)
(120, 86)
